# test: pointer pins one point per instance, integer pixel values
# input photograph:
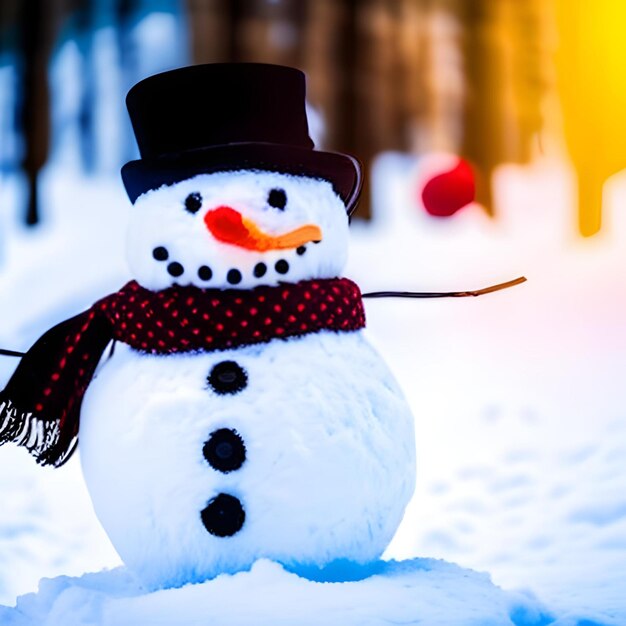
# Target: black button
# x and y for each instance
(205, 272)
(282, 267)
(160, 253)
(225, 450)
(277, 198)
(228, 377)
(259, 270)
(193, 202)
(175, 269)
(233, 277)
(223, 516)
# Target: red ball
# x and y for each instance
(444, 194)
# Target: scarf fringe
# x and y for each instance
(42, 438)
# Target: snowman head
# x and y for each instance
(230, 191)
(238, 229)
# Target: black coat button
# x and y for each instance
(225, 450)
(223, 516)
(228, 377)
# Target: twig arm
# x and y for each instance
(444, 294)
(11, 352)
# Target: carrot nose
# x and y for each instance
(229, 226)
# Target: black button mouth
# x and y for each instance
(234, 276)
(225, 450)
(281, 266)
(260, 270)
(175, 269)
(223, 516)
(228, 377)
(205, 272)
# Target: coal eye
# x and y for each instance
(193, 202)
(277, 198)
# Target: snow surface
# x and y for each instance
(521, 426)
(421, 591)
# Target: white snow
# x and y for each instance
(422, 591)
(521, 434)
(518, 396)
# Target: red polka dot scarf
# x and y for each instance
(40, 406)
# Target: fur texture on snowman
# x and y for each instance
(228, 405)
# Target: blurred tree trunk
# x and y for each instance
(268, 31)
(328, 53)
(351, 54)
(35, 19)
(434, 76)
(375, 69)
(412, 61)
(9, 133)
(262, 31)
(28, 29)
(483, 126)
(125, 16)
(81, 16)
(505, 76)
(9, 11)
(209, 30)
(327, 21)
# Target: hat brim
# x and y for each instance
(343, 171)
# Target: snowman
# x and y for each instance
(228, 404)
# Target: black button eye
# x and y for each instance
(277, 198)
(193, 202)
(225, 450)
(160, 253)
(175, 269)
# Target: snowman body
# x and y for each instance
(299, 449)
(328, 462)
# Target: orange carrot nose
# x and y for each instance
(229, 226)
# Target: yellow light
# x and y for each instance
(591, 66)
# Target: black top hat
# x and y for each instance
(228, 116)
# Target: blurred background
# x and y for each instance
(494, 138)
(492, 81)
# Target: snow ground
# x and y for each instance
(414, 592)
(521, 432)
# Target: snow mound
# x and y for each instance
(418, 591)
